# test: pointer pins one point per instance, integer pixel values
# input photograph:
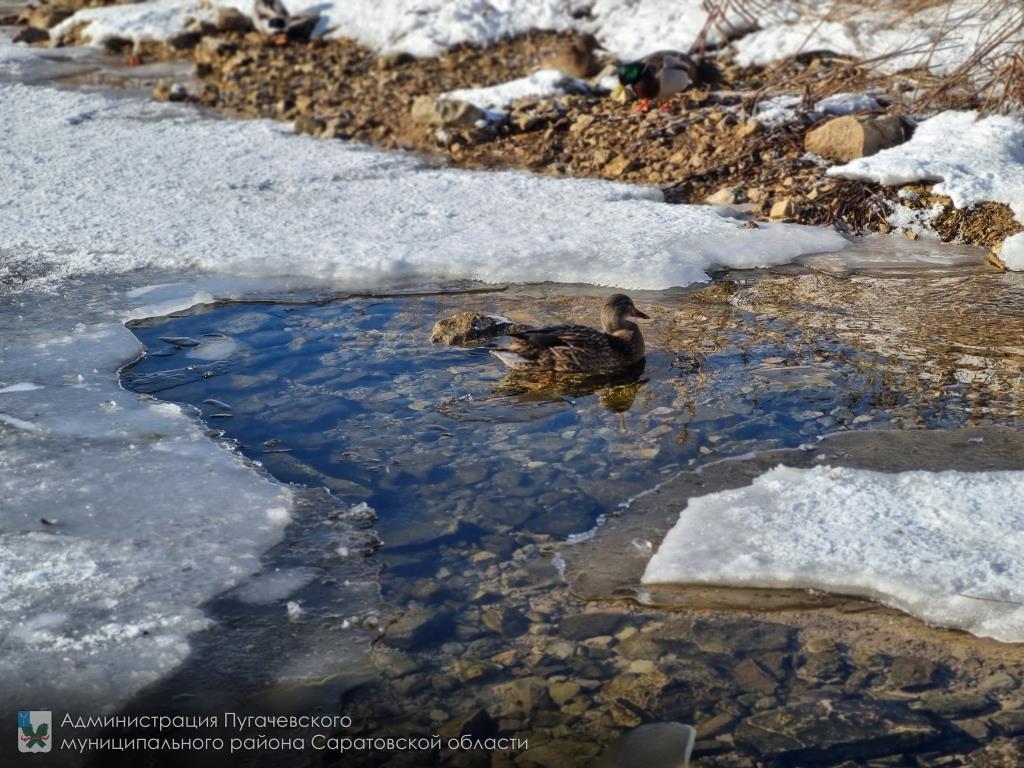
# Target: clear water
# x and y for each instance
(477, 478)
(446, 447)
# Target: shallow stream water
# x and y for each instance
(475, 482)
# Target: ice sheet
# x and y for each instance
(947, 547)
(118, 516)
(148, 185)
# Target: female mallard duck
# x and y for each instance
(577, 348)
(664, 74)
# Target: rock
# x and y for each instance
(581, 123)
(724, 196)
(1010, 722)
(619, 165)
(955, 705)
(912, 673)
(476, 723)
(32, 35)
(849, 137)
(830, 731)
(584, 625)
(558, 754)
(998, 754)
(998, 682)
(232, 20)
(507, 622)
(438, 112)
(393, 60)
(43, 16)
(716, 725)
(742, 637)
(468, 327)
(165, 90)
(560, 692)
(753, 678)
(747, 129)
(654, 745)
(473, 669)
(782, 209)
(419, 627)
(519, 698)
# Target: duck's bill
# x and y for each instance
(637, 313)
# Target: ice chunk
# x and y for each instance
(947, 547)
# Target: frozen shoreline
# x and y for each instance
(112, 195)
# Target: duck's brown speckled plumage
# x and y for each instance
(579, 348)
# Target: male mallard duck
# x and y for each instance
(664, 74)
(577, 348)
(271, 17)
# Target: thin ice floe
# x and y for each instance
(147, 185)
(970, 159)
(118, 516)
(947, 547)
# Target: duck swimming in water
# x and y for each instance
(578, 348)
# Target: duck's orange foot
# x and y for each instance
(665, 106)
(133, 61)
(281, 40)
(642, 106)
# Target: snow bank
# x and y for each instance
(101, 186)
(630, 28)
(419, 27)
(972, 160)
(940, 38)
(947, 547)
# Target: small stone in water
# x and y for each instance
(217, 404)
(180, 341)
(47, 521)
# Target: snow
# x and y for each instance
(543, 83)
(1012, 253)
(972, 160)
(635, 28)
(631, 28)
(419, 27)
(778, 110)
(150, 185)
(845, 104)
(940, 38)
(947, 547)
